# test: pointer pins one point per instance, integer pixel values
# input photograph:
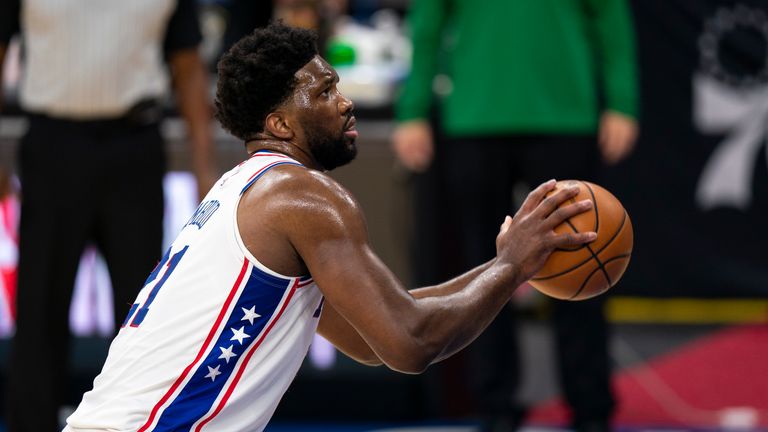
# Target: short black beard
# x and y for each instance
(329, 150)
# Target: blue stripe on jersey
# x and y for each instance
(253, 310)
(264, 170)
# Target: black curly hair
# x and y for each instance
(257, 74)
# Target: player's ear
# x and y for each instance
(279, 125)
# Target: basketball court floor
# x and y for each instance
(461, 428)
(703, 377)
(668, 377)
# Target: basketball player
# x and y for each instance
(278, 250)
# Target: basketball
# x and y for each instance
(588, 270)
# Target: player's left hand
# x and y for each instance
(616, 136)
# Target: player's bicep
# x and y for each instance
(334, 247)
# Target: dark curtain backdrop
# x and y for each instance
(697, 185)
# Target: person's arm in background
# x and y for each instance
(9, 26)
(3, 48)
(190, 84)
(413, 140)
(614, 39)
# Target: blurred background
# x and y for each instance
(689, 320)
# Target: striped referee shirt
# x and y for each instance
(96, 59)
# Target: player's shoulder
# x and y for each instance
(302, 189)
(315, 181)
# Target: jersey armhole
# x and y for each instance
(239, 239)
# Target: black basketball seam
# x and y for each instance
(594, 256)
(613, 237)
(576, 230)
(560, 249)
(621, 226)
(589, 276)
(594, 205)
(597, 218)
(583, 284)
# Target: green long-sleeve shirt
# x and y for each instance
(521, 66)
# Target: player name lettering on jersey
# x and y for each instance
(204, 211)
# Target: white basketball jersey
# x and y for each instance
(214, 338)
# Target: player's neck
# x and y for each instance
(292, 150)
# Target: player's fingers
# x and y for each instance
(536, 195)
(552, 202)
(573, 239)
(505, 225)
(564, 213)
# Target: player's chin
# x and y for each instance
(350, 143)
(351, 151)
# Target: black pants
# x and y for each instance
(82, 182)
(479, 175)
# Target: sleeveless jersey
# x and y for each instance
(214, 338)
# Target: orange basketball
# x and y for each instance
(588, 270)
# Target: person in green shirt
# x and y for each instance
(528, 90)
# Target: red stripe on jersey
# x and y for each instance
(203, 349)
(278, 155)
(266, 167)
(244, 363)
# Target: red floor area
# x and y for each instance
(718, 381)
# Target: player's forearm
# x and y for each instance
(341, 334)
(344, 337)
(452, 286)
(437, 326)
(461, 316)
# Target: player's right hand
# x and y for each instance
(526, 240)
(414, 145)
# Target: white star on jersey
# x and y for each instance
(213, 372)
(227, 354)
(250, 314)
(238, 335)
